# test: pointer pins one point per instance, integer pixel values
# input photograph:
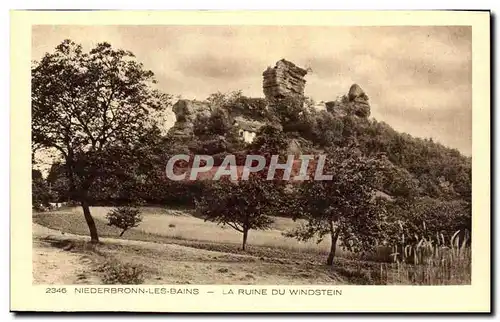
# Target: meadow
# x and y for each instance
(439, 264)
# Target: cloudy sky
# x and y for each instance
(418, 79)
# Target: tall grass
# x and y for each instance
(430, 261)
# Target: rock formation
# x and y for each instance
(359, 100)
(248, 115)
(186, 112)
(284, 79)
(354, 103)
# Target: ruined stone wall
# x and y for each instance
(284, 79)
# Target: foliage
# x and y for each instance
(114, 272)
(270, 140)
(216, 135)
(242, 205)
(124, 218)
(89, 106)
(58, 181)
(252, 108)
(432, 219)
(327, 130)
(294, 115)
(218, 123)
(219, 99)
(181, 193)
(40, 192)
(442, 172)
(235, 103)
(344, 207)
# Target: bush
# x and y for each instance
(118, 273)
(433, 219)
(124, 218)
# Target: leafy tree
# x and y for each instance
(216, 136)
(58, 181)
(433, 219)
(89, 106)
(327, 130)
(40, 192)
(294, 115)
(220, 99)
(270, 140)
(218, 123)
(242, 205)
(124, 218)
(346, 207)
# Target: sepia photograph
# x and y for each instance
(308, 156)
(389, 107)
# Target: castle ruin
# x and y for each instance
(284, 79)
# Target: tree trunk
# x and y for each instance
(245, 236)
(123, 232)
(94, 238)
(333, 247)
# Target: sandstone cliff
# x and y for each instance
(284, 79)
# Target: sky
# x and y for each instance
(418, 79)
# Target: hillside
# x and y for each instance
(232, 123)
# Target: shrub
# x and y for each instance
(118, 273)
(433, 219)
(124, 218)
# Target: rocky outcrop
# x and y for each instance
(359, 101)
(248, 115)
(186, 112)
(354, 103)
(284, 79)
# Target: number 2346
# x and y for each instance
(54, 290)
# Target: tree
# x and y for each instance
(242, 205)
(40, 192)
(425, 217)
(124, 218)
(294, 114)
(346, 207)
(220, 99)
(215, 135)
(270, 140)
(58, 182)
(88, 106)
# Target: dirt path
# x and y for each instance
(56, 261)
(59, 265)
(55, 265)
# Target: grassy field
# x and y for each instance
(178, 224)
(269, 258)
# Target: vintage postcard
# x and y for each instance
(273, 161)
